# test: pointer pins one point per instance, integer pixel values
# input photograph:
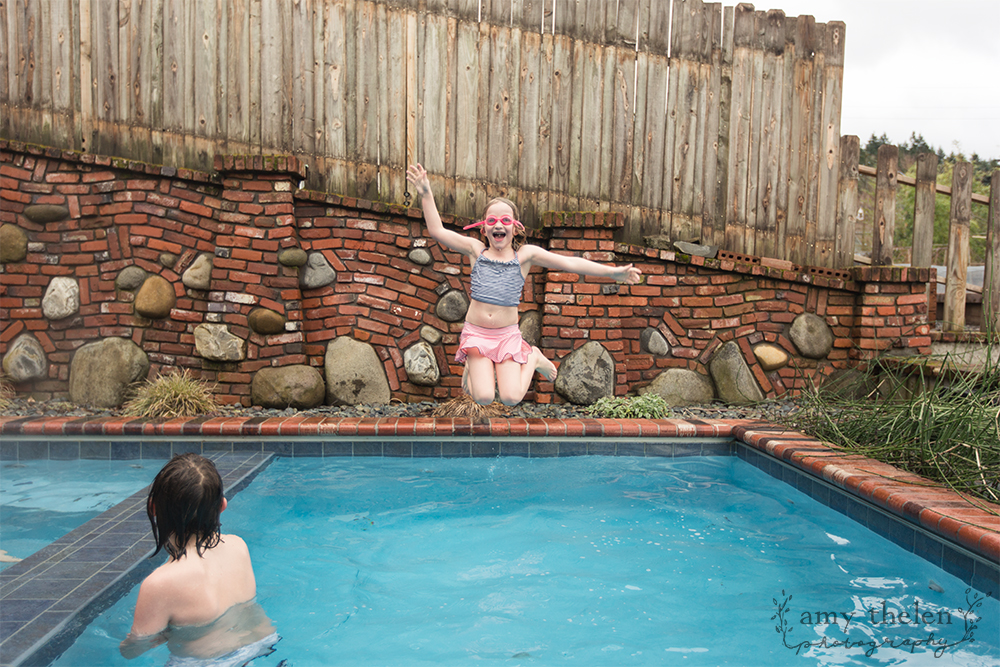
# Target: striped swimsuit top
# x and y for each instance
(497, 283)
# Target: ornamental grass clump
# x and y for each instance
(646, 406)
(927, 417)
(172, 395)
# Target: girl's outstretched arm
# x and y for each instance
(466, 245)
(534, 256)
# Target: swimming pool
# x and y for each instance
(582, 560)
(42, 499)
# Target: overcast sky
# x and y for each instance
(930, 67)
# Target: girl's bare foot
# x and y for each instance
(543, 365)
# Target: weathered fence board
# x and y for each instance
(467, 108)
(800, 45)
(712, 77)
(737, 214)
(757, 95)
(656, 34)
(6, 68)
(829, 146)
(334, 123)
(65, 73)
(303, 79)
(529, 135)
(714, 223)
(650, 193)
(367, 89)
(392, 144)
(624, 87)
(546, 113)
(609, 111)
(562, 105)
(575, 130)
(686, 112)
(847, 198)
(499, 116)
(958, 247)
(589, 136)
(991, 284)
(923, 210)
(772, 84)
(923, 222)
(253, 92)
(638, 161)
(23, 75)
(647, 107)
(885, 205)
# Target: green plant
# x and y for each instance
(172, 395)
(646, 406)
(926, 416)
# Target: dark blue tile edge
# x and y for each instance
(971, 568)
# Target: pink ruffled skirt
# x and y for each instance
(495, 344)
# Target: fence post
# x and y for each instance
(923, 224)
(847, 201)
(991, 281)
(958, 247)
(923, 209)
(885, 205)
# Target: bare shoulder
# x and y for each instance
(159, 580)
(154, 606)
(234, 542)
(529, 253)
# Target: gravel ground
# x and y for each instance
(770, 410)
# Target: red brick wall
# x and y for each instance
(124, 213)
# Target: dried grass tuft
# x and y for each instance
(6, 392)
(465, 407)
(172, 395)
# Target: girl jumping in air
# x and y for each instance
(490, 344)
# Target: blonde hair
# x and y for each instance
(518, 231)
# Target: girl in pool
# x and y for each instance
(490, 344)
(201, 601)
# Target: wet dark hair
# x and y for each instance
(184, 500)
(518, 232)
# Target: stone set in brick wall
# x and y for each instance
(283, 272)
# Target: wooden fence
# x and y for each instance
(887, 181)
(695, 121)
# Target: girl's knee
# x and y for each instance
(510, 399)
(482, 397)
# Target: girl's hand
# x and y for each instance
(628, 274)
(417, 175)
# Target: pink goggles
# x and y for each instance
(491, 220)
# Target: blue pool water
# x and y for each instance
(578, 561)
(42, 500)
